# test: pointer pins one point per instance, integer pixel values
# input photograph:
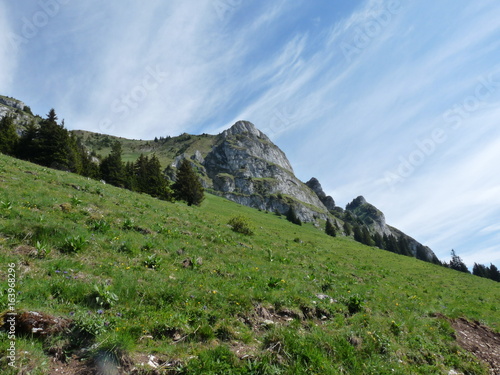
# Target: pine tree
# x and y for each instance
(358, 235)
(480, 270)
(330, 229)
(347, 228)
(157, 183)
(378, 240)
(494, 273)
(366, 238)
(404, 246)
(292, 217)
(112, 168)
(187, 186)
(456, 263)
(8, 136)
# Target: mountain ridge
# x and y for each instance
(242, 164)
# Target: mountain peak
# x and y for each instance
(242, 127)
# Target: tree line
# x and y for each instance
(51, 145)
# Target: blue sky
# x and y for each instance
(396, 100)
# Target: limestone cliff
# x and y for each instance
(246, 167)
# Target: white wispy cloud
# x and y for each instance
(347, 101)
(8, 56)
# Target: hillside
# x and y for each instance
(113, 281)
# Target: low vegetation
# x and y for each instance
(162, 287)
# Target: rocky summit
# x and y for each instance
(246, 167)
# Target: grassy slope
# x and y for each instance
(166, 151)
(224, 302)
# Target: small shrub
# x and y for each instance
(101, 226)
(102, 296)
(273, 282)
(41, 250)
(6, 205)
(148, 246)
(73, 244)
(152, 262)
(125, 247)
(354, 304)
(128, 224)
(75, 201)
(241, 225)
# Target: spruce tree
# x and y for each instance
(480, 270)
(187, 186)
(112, 168)
(456, 263)
(494, 273)
(378, 240)
(347, 228)
(292, 217)
(8, 136)
(330, 229)
(358, 234)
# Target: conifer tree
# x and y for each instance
(330, 229)
(347, 228)
(292, 217)
(494, 273)
(456, 263)
(480, 270)
(112, 168)
(187, 186)
(366, 238)
(8, 136)
(358, 234)
(157, 183)
(378, 240)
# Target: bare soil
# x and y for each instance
(479, 340)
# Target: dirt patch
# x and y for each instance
(479, 340)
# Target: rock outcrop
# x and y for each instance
(246, 167)
(327, 200)
(374, 219)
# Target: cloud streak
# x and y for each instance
(348, 90)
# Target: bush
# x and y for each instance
(241, 225)
(73, 244)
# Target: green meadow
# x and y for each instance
(138, 276)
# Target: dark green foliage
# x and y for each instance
(292, 217)
(330, 229)
(347, 228)
(112, 168)
(404, 246)
(241, 225)
(490, 272)
(358, 234)
(145, 176)
(494, 273)
(51, 145)
(378, 240)
(8, 136)
(187, 186)
(457, 264)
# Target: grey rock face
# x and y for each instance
(16, 104)
(246, 167)
(369, 214)
(375, 220)
(315, 186)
